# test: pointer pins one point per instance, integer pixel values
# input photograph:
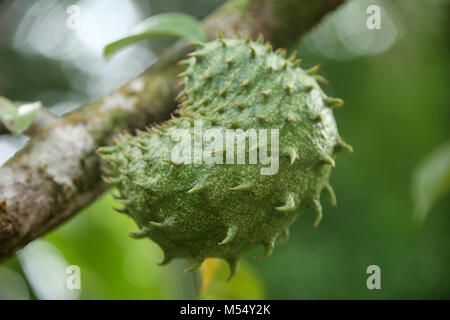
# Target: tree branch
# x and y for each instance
(58, 172)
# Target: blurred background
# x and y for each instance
(395, 82)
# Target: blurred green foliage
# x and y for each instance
(431, 180)
(397, 111)
(245, 285)
(17, 118)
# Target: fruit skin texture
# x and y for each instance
(195, 211)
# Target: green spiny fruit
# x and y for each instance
(195, 210)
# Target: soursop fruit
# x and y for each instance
(200, 205)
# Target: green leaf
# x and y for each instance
(17, 118)
(431, 180)
(166, 24)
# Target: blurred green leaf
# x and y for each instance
(17, 118)
(245, 285)
(431, 180)
(166, 24)
(113, 265)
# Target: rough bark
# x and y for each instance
(58, 172)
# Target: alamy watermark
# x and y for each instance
(73, 281)
(374, 20)
(226, 147)
(73, 21)
(374, 280)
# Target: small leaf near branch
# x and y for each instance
(166, 24)
(17, 118)
(431, 180)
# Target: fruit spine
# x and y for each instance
(200, 210)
